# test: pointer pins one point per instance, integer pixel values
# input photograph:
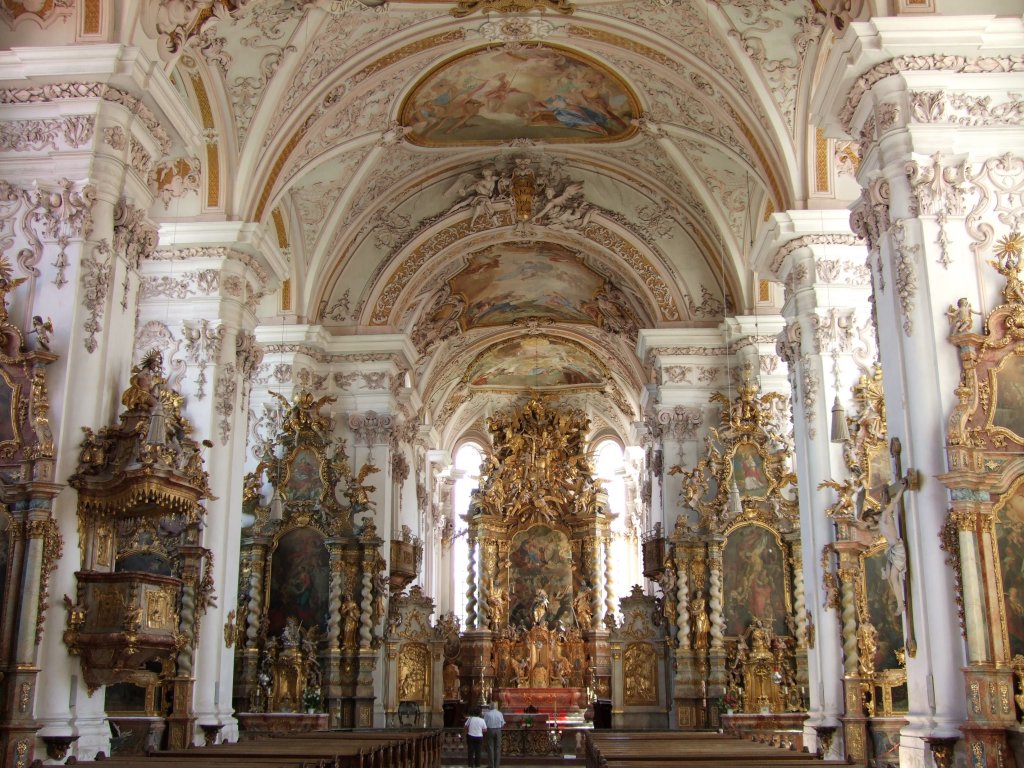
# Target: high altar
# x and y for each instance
(539, 572)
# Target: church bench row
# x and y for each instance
(694, 750)
(391, 749)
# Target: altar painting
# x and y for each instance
(542, 92)
(534, 361)
(8, 413)
(754, 580)
(1008, 397)
(304, 482)
(748, 471)
(540, 561)
(1010, 539)
(510, 282)
(299, 581)
(879, 472)
(883, 611)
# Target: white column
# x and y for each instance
(942, 176)
(220, 270)
(827, 340)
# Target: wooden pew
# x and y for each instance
(126, 761)
(332, 749)
(657, 749)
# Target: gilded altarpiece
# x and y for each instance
(731, 597)
(984, 532)
(538, 583)
(30, 542)
(865, 572)
(312, 586)
(146, 579)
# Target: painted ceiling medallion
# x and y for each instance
(511, 281)
(535, 362)
(493, 95)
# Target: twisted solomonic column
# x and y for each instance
(683, 607)
(848, 606)
(471, 603)
(717, 618)
(365, 609)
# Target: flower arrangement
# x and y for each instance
(311, 699)
(728, 703)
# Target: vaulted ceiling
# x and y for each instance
(513, 190)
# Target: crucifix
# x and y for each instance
(892, 524)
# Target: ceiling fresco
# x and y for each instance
(537, 92)
(499, 186)
(534, 362)
(514, 281)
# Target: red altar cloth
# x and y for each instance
(545, 700)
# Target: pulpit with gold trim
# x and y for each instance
(146, 579)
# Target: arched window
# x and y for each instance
(468, 459)
(609, 467)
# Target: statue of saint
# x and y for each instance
(349, 622)
(760, 639)
(701, 624)
(540, 607)
(144, 385)
(496, 609)
(582, 606)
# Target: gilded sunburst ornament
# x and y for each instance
(1010, 245)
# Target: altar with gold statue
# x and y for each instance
(537, 591)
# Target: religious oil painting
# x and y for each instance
(540, 575)
(748, 471)
(514, 281)
(534, 361)
(299, 581)
(753, 580)
(145, 555)
(879, 473)
(8, 396)
(883, 610)
(144, 562)
(541, 92)
(304, 482)
(1010, 537)
(1008, 409)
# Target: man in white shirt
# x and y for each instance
(475, 730)
(495, 722)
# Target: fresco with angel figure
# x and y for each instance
(510, 281)
(495, 94)
(534, 361)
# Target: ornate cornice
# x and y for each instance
(63, 91)
(807, 241)
(213, 252)
(923, 63)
